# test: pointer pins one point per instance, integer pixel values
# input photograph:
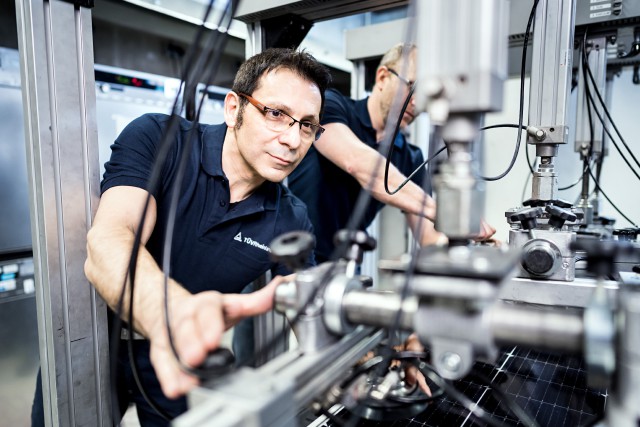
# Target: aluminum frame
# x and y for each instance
(56, 58)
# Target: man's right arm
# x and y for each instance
(342, 147)
(109, 244)
(197, 320)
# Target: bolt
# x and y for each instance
(451, 361)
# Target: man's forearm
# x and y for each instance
(108, 254)
(428, 233)
(411, 198)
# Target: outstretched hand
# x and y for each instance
(198, 322)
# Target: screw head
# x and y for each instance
(451, 361)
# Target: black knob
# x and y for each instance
(292, 249)
(562, 203)
(353, 243)
(218, 362)
(538, 261)
(365, 281)
(626, 234)
(606, 220)
(534, 203)
(558, 216)
(527, 217)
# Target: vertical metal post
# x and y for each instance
(462, 76)
(591, 129)
(56, 59)
(266, 326)
(369, 266)
(550, 88)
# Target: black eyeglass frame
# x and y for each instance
(404, 80)
(264, 110)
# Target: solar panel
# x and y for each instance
(551, 388)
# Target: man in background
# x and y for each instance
(346, 159)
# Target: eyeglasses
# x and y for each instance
(409, 83)
(279, 121)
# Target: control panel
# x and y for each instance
(16, 278)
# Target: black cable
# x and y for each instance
(360, 209)
(388, 351)
(517, 410)
(393, 143)
(620, 152)
(511, 125)
(410, 356)
(217, 48)
(608, 199)
(504, 125)
(571, 185)
(587, 91)
(132, 360)
(423, 164)
(606, 111)
(521, 112)
(154, 179)
(587, 71)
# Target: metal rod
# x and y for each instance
(378, 308)
(533, 327)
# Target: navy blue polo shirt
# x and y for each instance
(330, 193)
(216, 246)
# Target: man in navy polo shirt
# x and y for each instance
(231, 205)
(337, 167)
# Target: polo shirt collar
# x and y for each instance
(362, 113)
(212, 141)
(266, 196)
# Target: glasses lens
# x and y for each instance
(308, 130)
(277, 120)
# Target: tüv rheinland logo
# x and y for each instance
(251, 242)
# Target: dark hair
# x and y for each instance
(300, 62)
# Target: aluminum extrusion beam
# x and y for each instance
(313, 10)
(272, 394)
(56, 58)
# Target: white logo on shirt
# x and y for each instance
(249, 241)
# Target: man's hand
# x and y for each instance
(486, 231)
(412, 374)
(198, 322)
